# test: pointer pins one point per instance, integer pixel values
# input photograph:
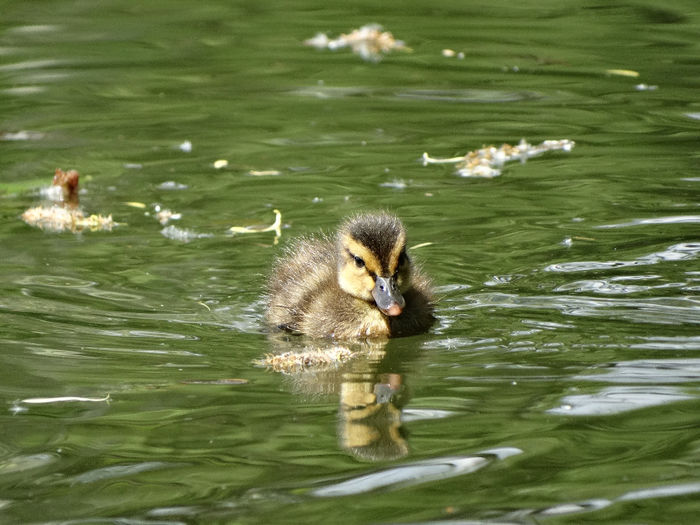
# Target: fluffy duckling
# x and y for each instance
(360, 284)
(68, 181)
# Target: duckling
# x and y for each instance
(360, 284)
(68, 182)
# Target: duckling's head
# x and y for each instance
(372, 260)
(68, 181)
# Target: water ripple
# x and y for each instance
(468, 96)
(581, 506)
(677, 219)
(463, 96)
(109, 295)
(613, 286)
(615, 400)
(658, 310)
(56, 281)
(676, 252)
(152, 334)
(661, 492)
(34, 64)
(650, 371)
(414, 473)
(25, 462)
(420, 414)
(667, 491)
(119, 471)
(669, 343)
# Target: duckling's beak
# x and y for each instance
(387, 296)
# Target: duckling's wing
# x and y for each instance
(306, 268)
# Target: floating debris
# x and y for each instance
(645, 87)
(450, 53)
(221, 163)
(164, 215)
(56, 219)
(623, 72)
(65, 399)
(569, 241)
(369, 42)
(488, 161)
(397, 184)
(172, 185)
(274, 227)
(65, 214)
(309, 358)
(21, 135)
(179, 234)
(264, 173)
(135, 204)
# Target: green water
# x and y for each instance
(561, 381)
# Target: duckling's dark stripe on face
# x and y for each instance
(356, 249)
(382, 236)
(395, 255)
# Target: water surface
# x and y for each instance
(561, 381)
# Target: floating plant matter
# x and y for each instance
(369, 42)
(309, 358)
(64, 213)
(488, 161)
(274, 227)
(164, 215)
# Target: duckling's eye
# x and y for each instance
(358, 261)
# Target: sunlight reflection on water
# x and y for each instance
(615, 400)
(677, 252)
(414, 473)
(663, 310)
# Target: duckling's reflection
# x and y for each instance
(372, 392)
(370, 415)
